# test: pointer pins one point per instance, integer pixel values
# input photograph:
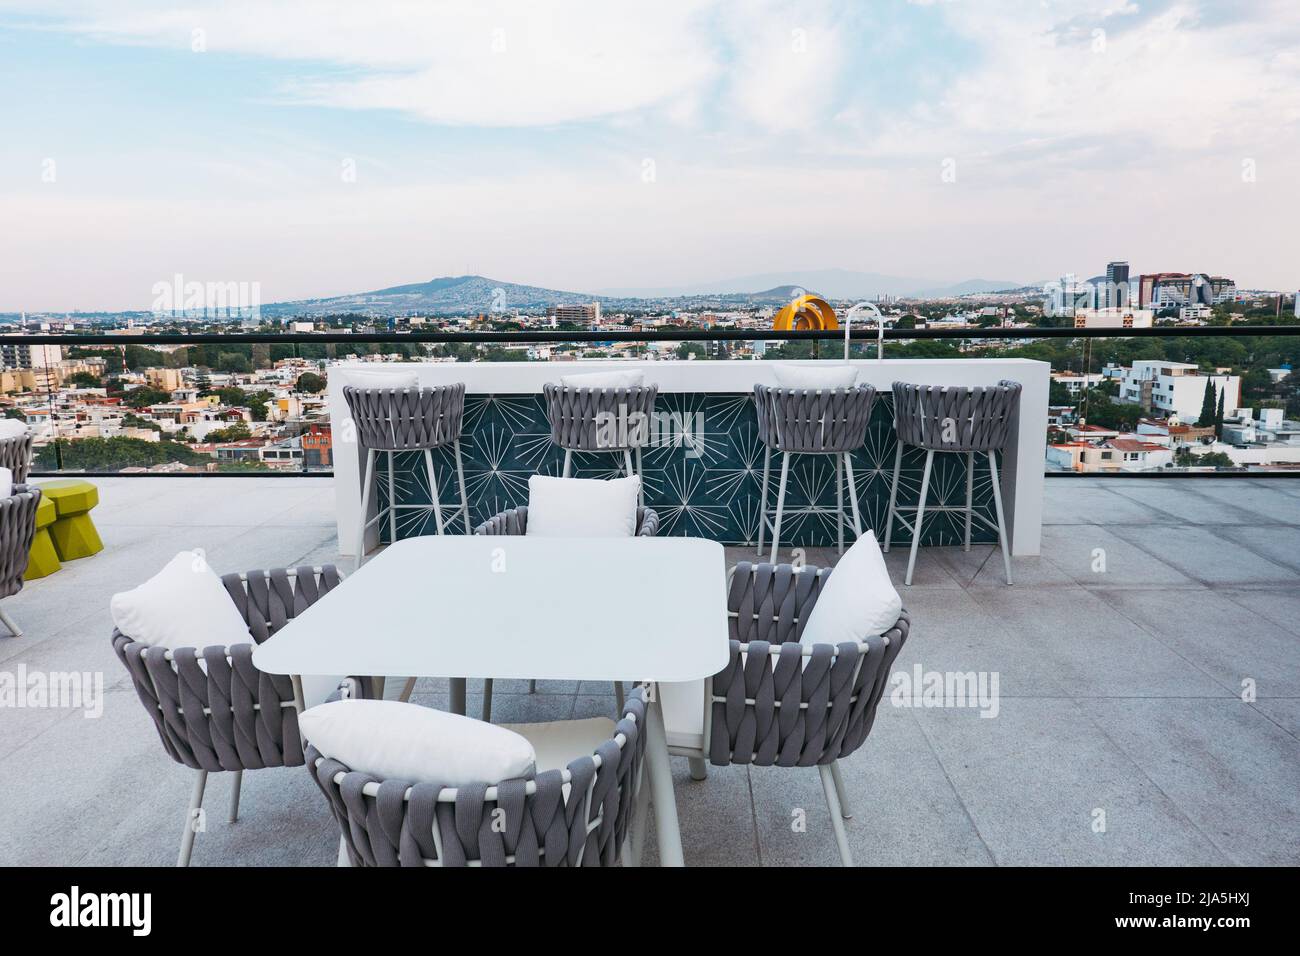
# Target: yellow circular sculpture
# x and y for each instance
(807, 312)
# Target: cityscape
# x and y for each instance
(1117, 405)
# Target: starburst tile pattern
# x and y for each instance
(703, 475)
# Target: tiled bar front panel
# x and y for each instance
(707, 488)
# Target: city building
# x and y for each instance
(1166, 290)
(1117, 290)
(19, 355)
(1175, 389)
(586, 314)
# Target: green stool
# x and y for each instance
(73, 532)
(43, 559)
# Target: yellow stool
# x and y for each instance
(73, 532)
(42, 559)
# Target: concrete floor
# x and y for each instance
(1120, 697)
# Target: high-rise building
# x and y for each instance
(19, 355)
(585, 314)
(1116, 296)
(1164, 290)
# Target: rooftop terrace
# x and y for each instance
(1120, 691)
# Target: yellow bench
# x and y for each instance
(43, 559)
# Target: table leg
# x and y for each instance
(661, 792)
(458, 695)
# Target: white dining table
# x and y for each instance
(598, 609)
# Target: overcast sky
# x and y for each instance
(323, 148)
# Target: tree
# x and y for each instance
(84, 380)
(1207, 404)
(1058, 394)
(112, 454)
(310, 382)
(145, 396)
(1218, 415)
(234, 432)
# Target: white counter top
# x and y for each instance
(505, 378)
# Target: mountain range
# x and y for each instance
(473, 293)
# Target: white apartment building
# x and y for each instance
(1175, 388)
(1077, 383)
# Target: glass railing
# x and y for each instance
(1135, 402)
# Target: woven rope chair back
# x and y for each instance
(953, 418)
(579, 823)
(786, 709)
(600, 419)
(514, 521)
(213, 709)
(16, 455)
(17, 528)
(814, 420)
(406, 419)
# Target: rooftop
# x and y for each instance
(1122, 653)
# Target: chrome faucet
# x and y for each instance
(881, 321)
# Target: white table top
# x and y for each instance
(518, 607)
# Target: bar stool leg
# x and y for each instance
(970, 493)
(367, 484)
(853, 495)
(392, 502)
(487, 700)
(762, 503)
(640, 470)
(627, 462)
(893, 496)
(568, 461)
(920, 515)
(997, 504)
(460, 474)
(433, 491)
(780, 504)
(839, 502)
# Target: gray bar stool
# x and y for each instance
(807, 421)
(392, 420)
(944, 418)
(582, 418)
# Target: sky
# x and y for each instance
(325, 148)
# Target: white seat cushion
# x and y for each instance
(815, 375)
(857, 601)
(628, 379)
(12, 428)
(559, 742)
(360, 377)
(183, 605)
(392, 740)
(6, 482)
(582, 507)
(683, 707)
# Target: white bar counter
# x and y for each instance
(1022, 462)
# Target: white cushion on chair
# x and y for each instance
(815, 375)
(629, 379)
(393, 740)
(857, 601)
(559, 742)
(6, 482)
(183, 605)
(379, 377)
(582, 507)
(12, 428)
(683, 708)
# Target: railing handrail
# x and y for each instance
(644, 335)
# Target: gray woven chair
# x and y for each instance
(17, 528)
(515, 521)
(16, 455)
(392, 420)
(213, 709)
(577, 816)
(952, 419)
(615, 420)
(806, 421)
(778, 703)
